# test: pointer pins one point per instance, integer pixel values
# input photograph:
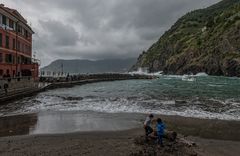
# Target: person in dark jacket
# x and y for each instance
(147, 126)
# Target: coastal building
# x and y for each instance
(16, 46)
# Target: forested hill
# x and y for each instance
(205, 40)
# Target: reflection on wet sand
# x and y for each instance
(82, 121)
(50, 122)
(65, 122)
(17, 125)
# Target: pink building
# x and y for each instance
(16, 45)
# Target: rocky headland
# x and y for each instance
(205, 40)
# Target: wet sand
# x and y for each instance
(212, 137)
(204, 128)
(105, 143)
(85, 143)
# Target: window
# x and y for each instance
(26, 49)
(18, 45)
(8, 58)
(7, 42)
(0, 19)
(22, 48)
(4, 20)
(10, 23)
(1, 57)
(19, 28)
(14, 44)
(18, 60)
(14, 26)
(26, 34)
(1, 72)
(0, 39)
(13, 59)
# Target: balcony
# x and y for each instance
(6, 27)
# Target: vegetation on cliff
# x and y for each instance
(205, 40)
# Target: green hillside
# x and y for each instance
(205, 40)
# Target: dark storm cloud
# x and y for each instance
(97, 29)
(59, 33)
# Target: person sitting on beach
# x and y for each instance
(160, 131)
(147, 126)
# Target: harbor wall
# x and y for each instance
(13, 89)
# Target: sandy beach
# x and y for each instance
(210, 137)
(106, 143)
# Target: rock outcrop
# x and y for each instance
(205, 40)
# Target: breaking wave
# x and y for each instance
(206, 97)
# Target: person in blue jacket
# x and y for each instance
(160, 131)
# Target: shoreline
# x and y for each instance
(106, 143)
(14, 125)
(207, 134)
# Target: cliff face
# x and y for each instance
(206, 40)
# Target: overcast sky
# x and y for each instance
(99, 29)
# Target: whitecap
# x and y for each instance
(201, 74)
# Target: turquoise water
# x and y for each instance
(202, 97)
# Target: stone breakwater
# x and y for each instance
(71, 81)
(12, 89)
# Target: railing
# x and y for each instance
(6, 27)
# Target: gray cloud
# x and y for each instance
(61, 34)
(97, 29)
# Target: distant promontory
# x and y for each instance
(90, 66)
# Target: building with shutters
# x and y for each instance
(16, 46)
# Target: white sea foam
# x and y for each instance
(144, 71)
(189, 78)
(168, 77)
(215, 85)
(201, 74)
(124, 105)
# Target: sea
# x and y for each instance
(93, 106)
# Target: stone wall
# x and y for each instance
(15, 86)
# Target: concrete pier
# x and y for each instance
(13, 89)
(88, 78)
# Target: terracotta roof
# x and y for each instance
(14, 12)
